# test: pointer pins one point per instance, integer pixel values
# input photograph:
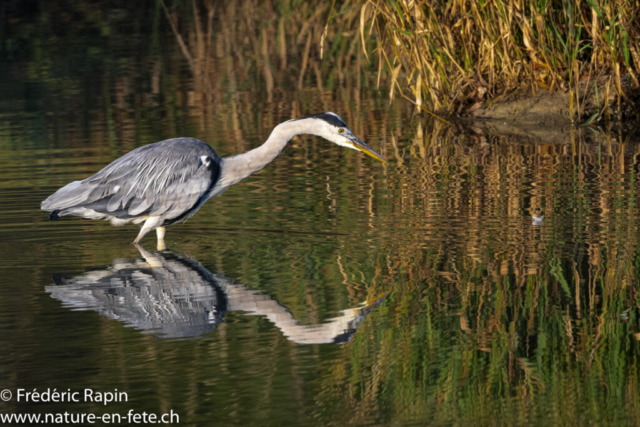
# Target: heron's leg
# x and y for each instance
(149, 225)
(151, 259)
(160, 233)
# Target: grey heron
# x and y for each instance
(166, 182)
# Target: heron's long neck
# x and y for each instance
(237, 168)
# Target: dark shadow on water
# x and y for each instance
(173, 296)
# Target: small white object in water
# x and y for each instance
(538, 220)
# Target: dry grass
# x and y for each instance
(454, 56)
(271, 40)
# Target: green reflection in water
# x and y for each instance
(489, 318)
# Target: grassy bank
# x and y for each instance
(457, 57)
(578, 61)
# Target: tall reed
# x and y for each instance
(455, 56)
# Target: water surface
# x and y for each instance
(472, 280)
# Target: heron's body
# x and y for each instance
(168, 181)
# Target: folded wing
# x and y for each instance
(167, 179)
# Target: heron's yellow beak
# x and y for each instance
(360, 145)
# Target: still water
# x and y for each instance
(474, 279)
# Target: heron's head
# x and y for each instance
(330, 126)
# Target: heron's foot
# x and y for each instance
(151, 223)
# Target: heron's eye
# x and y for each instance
(340, 130)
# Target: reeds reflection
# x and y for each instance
(518, 265)
(173, 296)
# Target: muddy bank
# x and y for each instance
(523, 133)
(543, 108)
(545, 116)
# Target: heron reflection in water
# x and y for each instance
(166, 182)
(173, 296)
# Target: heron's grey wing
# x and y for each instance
(167, 178)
